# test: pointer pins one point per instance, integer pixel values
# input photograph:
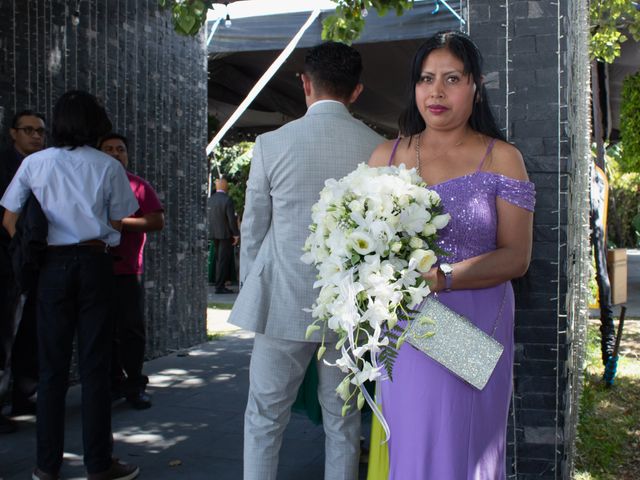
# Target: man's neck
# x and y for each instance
(324, 100)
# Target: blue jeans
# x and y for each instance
(74, 294)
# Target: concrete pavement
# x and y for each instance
(194, 429)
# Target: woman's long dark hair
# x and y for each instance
(463, 48)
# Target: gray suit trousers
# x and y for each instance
(277, 369)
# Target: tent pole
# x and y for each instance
(213, 31)
(263, 81)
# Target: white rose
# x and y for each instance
(416, 242)
(424, 259)
(356, 206)
(403, 200)
(441, 221)
(428, 230)
(362, 243)
(395, 247)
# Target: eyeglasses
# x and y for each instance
(29, 131)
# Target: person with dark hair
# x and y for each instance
(18, 342)
(223, 232)
(442, 427)
(84, 195)
(288, 170)
(127, 378)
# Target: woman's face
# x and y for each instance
(444, 94)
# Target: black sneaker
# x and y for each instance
(117, 471)
(40, 475)
(224, 290)
(139, 401)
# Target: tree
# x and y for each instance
(345, 25)
(630, 123)
(609, 20)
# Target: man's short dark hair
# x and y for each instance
(111, 136)
(15, 122)
(334, 68)
(78, 119)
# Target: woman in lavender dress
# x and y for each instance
(441, 427)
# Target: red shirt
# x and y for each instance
(130, 261)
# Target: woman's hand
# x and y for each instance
(435, 279)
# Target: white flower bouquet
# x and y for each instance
(373, 235)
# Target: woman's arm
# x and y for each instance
(511, 257)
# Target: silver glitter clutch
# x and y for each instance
(454, 342)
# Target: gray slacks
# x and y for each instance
(277, 369)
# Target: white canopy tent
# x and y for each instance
(239, 55)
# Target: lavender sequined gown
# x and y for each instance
(441, 427)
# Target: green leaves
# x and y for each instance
(388, 354)
(608, 20)
(188, 15)
(347, 23)
(630, 123)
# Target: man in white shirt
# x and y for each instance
(84, 195)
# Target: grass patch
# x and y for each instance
(220, 306)
(214, 336)
(608, 443)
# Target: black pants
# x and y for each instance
(225, 263)
(24, 364)
(7, 327)
(18, 341)
(74, 295)
(129, 341)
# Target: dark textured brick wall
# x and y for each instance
(525, 49)
(153, 84)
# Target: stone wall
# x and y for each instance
(153, 84)
(528, 58)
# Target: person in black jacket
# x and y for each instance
(27, 134)
(223, 232)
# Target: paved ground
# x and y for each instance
(194, 429)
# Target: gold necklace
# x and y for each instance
(418, 161)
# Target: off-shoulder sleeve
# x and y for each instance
(518, 192)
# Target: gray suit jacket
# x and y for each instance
(288, 170)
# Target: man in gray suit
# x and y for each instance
(288, 170)
(223, 232)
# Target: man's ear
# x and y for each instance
(306, 84)
(356, 93)
(13, 133)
